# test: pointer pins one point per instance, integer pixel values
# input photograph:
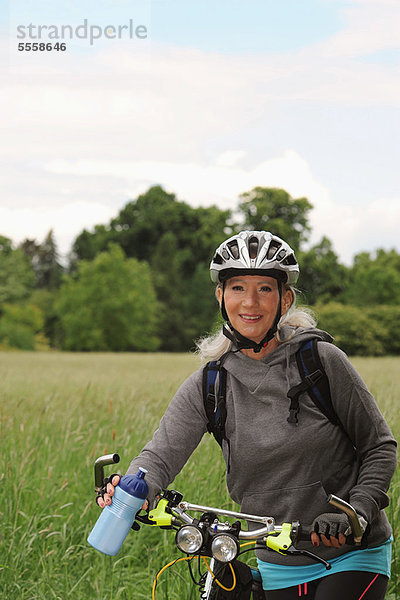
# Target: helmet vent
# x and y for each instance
(225, 254)
(234, 249)
(281, 255)
(273, 248)
(290, 260)
(218, 259)
(253, 247)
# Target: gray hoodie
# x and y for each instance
(277, 468)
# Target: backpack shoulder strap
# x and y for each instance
(314, 381)
(214, 392)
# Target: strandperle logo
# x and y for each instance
(85, 31)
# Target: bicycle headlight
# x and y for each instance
(224, 547)
(189, 539)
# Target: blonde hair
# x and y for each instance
(213, 346)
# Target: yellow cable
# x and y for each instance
(153, 594)
(247, 544)
(218, 582)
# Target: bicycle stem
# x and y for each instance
(243, 535)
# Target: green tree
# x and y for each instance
(322, 277)
(16, 275)
(110, 304)
(5, 245)
(353, 330)
(388, 318)
(274, 210)
(202, 306)
(374, 279)
(174, 239)
(46, 300)
(142, 224)
(50, 270)
(89, 244)
(44, 260)
(168, 282)
(21, 327)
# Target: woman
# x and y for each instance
(276, 466)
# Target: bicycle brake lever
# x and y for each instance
(143, 518)
(159, 516)
(294, 552)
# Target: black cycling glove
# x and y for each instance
(335, 523)
(106, 480)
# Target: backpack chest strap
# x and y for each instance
(295, 392)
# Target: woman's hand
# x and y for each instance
(331, 541)
(331, 529)
(105, 500)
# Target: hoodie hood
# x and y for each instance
(252, 372)
(297, 335)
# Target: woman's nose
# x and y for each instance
(250, 298)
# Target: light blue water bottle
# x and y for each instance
(116, 519)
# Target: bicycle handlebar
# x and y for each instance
(269, 522)
(243, 535)
(171, 510)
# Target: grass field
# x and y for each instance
(58, 412)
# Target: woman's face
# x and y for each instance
(251, 302)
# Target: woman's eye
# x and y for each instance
(237, 288)
(266, 288)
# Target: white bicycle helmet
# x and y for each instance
(258, 252)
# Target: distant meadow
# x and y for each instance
(59, 411)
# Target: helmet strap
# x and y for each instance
(241, 341)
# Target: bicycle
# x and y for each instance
(207, 537)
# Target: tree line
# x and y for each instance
(141, 281)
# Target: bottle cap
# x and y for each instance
(135, 485)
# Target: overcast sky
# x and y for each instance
(218, 98)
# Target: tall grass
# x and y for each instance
(58, 412)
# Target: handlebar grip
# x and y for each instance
(351, 513)
(304, 533)
(99, 465)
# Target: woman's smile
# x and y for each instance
(250, 317)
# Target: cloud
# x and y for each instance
(174, 99)
(369, 26)
(35, 222)
(230, 158)
(355, 228)
(220, 182)
(86, 132)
